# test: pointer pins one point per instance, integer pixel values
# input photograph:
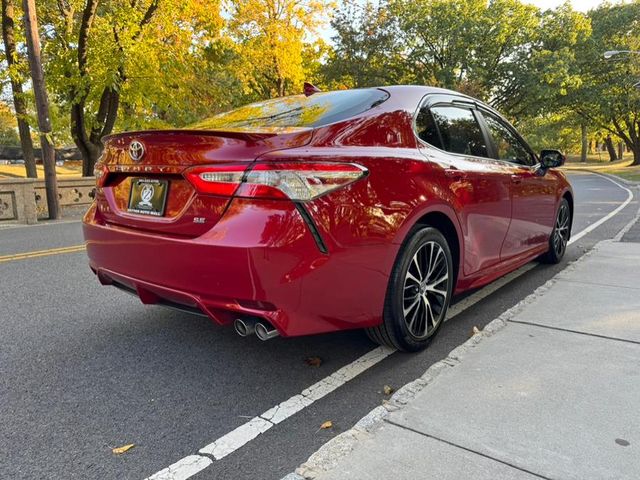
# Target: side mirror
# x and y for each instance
(551, 159)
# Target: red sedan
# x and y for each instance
(362, 208)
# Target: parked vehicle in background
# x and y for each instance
(362, 208)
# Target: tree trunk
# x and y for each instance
(620, 150)
(636, 154)
(42, 106)
(16, 89)
(90, 142)
(610, 149)
(585, 142)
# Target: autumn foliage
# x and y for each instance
(115, 65)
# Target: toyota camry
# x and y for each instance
(366, 208)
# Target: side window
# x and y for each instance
(507, 144)
(459, 131)
(426, 128)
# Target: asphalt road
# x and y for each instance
(85, 368)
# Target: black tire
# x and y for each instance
(559, 235)
(416, 303)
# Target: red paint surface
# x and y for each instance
(258, 257)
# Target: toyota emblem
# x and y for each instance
(136, 150)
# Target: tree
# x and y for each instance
(367, 50)
(608, 96)
(584, 143)
(540, 76)
(271, 40)
(16, 74)
(466, 45)
(8, 124)
(42, 106)
(611, 149)
(136, 55)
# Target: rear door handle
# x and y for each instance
(516, 178)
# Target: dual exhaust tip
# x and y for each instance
(248, 326)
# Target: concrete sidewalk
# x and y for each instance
(549, 390)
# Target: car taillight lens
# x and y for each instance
(100, 172)
(216, 179)
(292, 180)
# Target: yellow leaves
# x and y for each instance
(387, 390)
(122, 449)
(313, 361)
(326, 425)
(271, 40)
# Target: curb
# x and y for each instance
(329, 455)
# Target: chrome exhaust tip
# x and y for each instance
(265, 332)
(245, 326)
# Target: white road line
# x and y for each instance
(232, 441)
(183, 469)
(260, 424)
(593, 226)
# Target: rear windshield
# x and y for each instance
(298, 110)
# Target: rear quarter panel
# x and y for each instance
(365, 223)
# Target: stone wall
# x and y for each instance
(24, 200)
(15, 153)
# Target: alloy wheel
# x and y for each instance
(425, 290)
(561, 230)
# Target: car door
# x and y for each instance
(532, 193)
(479, 185)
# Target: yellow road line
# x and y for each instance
(41, 253)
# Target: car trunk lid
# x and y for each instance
(143, 187)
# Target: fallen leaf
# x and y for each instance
(327, 424)
(476, 331)
(387, 390)
(123, 449)
(313, 361)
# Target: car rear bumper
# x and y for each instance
(259, 260)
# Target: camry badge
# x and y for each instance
(136, 150)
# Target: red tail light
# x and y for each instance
(100, 171)
(220, 180)
(294, 181)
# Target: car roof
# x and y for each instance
(421, 90)
(414, 93)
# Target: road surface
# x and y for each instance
(86, 368)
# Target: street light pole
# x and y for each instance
(612, 53)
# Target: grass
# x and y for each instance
(69, 170)
(620, 168)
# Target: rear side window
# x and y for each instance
(426, 128)
(298, 110)
(459, 131)
(508, 146)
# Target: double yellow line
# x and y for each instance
(41, 253)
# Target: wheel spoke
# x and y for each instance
(433, 262)
(416, 264)
(427, 314)
(412, 277)
(437, 291)
(408, 309)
